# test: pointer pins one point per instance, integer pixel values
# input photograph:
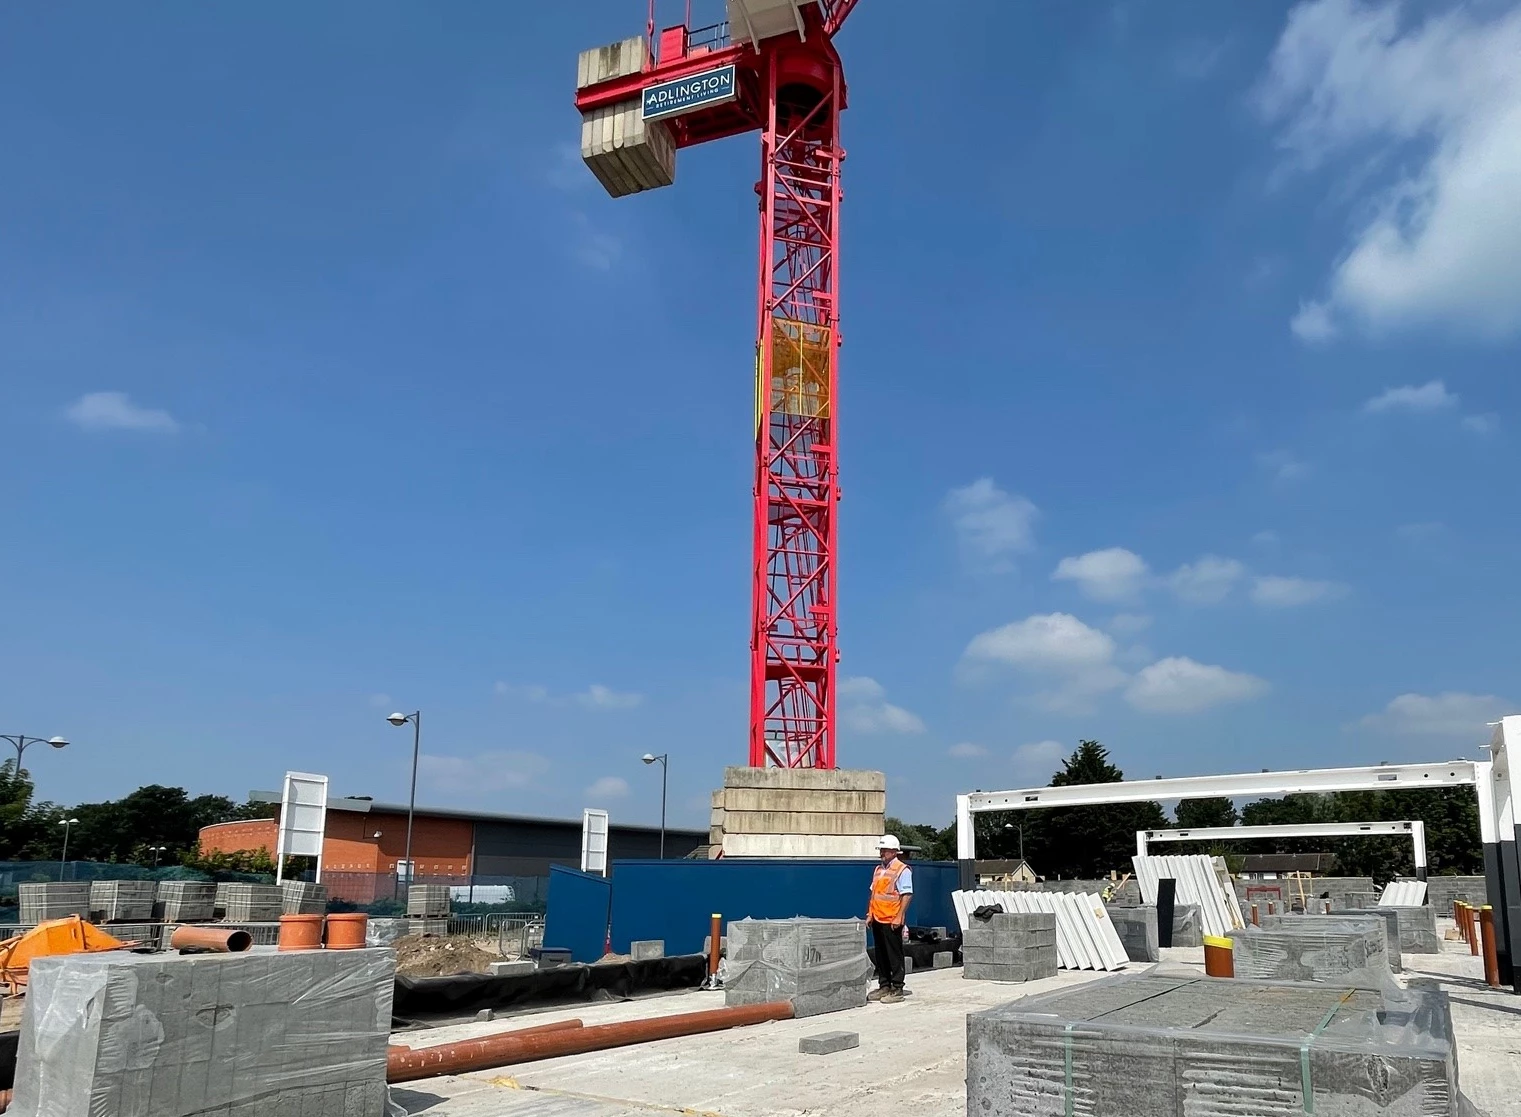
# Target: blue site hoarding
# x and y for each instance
(674, 900)
(577, 912)
(671, 98)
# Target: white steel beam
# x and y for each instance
(1414, 829)
(1373, 777)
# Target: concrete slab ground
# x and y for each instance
(911, 1058)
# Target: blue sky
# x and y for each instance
(1179, 400)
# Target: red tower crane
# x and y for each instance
(773, 68)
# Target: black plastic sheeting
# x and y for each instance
(9, 1041)
(464, 994)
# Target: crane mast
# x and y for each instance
(771, 68)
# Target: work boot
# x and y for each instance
(878, 993)
(892, 997)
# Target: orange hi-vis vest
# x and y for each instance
(886, 902)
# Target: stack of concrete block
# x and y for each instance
(428, 928)
(1442, 891)
(1137, 928)
(53, 900)
(301, 897)
(1387, 921)
(1187, 926)
(819, 965)
(646, 950)
(797, 812)
(1168, 1045)
(184, 901)
(122, 901)
(1418, 932)
(1313, 948)
(428, 901)
(242, 1035)
(239, 902)
(1012, 946)
(625, 151)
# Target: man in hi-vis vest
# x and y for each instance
(892, 889)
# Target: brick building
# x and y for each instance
(365, 842)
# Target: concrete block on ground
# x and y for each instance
(242, 902)
(302, 897)
(433, 928)
(944, 959)
(1137, 928)
(1313, 948)
(908, 964)
(1418, 933)
(184, 901)
(122, 901)
(1442, 891)
(430, 901)
(1185, 1046)
(1387, 919)
(647, 950)
(1033, 970)
(169, 1035)
(511, 969)
(828, 1043)
(53, 900)
(819, 965)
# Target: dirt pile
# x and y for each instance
(439, 956)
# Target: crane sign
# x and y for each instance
(771, 67)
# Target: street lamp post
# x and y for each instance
(156, 850)
(399, 719)
(21, 741)
(664, 758)
(1021, 828)
(63, 859)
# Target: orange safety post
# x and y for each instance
(1219, 957)
(1491, 959)
(1474, 943)
(714, 935)
(1255, 921)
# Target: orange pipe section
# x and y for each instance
(406, 1064)
(1491, 959)
(525, 1046)
(715, 934)
(222, 940)
(1474, 945)
(1219, 957)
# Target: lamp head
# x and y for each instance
(58, 742)
(397, 719)
(648, 758)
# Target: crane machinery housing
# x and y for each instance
(771, 67)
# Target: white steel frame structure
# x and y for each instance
(1414, 829)
(1490, 778)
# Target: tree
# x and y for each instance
(1087, 842)
(123, 830)
(1193, 814)
(934, 844)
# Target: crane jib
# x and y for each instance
(669, 98)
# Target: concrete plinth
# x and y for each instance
(779, 812)
(1014, 946)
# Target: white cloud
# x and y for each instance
(1312, 323)
(1207, 581)
(1128, 624)
(1113, 574)
(1283, 465)
(1436, 100)
(864, 709)
(608, 787)
(1179, 685)
(484, 773)
(1486, 423)
(966, 750)
(1279, 592)
(1449, 714)
(115, 411)
(599, 697)
(1040, 759)
(1433, 396)
(1059, 649)
(528, 692)
(991, 525)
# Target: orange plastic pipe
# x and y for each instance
(526, 1046)
(1474, 945)
(1255, 922)
(1491, 959)
(715, 933)
(220, 939)
(406, 1064)
(1219, 957)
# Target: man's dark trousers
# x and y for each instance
(888, 943)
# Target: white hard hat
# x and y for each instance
(888, 841)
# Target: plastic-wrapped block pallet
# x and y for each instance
(1385, 919)
(1137, 928)
(300, 897)
(122, 901)
(53, 900)
(428, 900)
(1187, 926)
(237, 902)
(820, 965)
(1418, 933)
(1160, 1045)
(185, 901)
(1010, 946)
(259, 1034)
(1313, 948)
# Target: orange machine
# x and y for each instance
(56, 936)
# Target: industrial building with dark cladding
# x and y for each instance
(364, 847)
